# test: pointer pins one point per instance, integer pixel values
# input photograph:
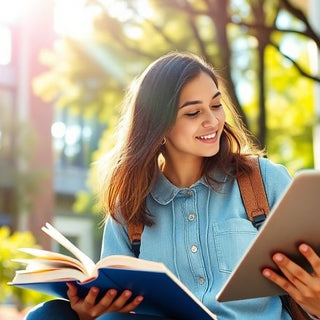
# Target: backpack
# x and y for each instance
(255, 201)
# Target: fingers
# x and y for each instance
(128, 307)
(312, 257)
(105, 303)
(72, 293)
(290, 282)
(295, 279)
(89, 308)
(302, 286)
(293, 272)
(120, 304)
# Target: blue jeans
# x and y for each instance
(61, 310)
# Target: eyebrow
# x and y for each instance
(192, 102)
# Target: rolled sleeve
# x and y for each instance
(115, 239)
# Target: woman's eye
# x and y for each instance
(192, 114)
(216, 106)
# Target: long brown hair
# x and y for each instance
(150, 109)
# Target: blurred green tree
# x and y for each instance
(246, 41)
(9, 245)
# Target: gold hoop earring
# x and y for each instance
(164, 141)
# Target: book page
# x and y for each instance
(48, 275)
(42, 264)
(56, 235)
(50, 255)
(128, 262)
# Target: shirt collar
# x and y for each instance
(164, 191)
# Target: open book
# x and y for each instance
(164, 294)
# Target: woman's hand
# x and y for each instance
(302, 286)
(88, 309)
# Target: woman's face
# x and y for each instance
(200, 120)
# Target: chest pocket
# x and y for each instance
(231, 239)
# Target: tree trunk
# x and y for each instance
(262, 126)
(220, 18)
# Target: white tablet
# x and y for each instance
(293, 220)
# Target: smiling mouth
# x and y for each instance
(207, 137)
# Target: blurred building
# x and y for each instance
(25, 120)
(44, 152)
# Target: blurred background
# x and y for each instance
(64, 67)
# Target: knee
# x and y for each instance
(51, 310)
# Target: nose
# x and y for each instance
(210, 120)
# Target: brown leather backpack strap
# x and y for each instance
(134, 233)
(295, 311)
(256, 203)
(253, 193)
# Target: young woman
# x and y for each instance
(174, 170)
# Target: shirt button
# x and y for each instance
(189, 193)
(194, 249)
(191, 216)
(201, 280)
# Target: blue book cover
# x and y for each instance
(164, 295)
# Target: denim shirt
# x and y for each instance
(200, 234)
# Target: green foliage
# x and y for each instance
(290, 107)
(89, 76)
(9, 245)
(290, 113)
(80, 80)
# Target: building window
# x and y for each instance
(75, 138)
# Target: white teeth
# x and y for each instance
(210, 136)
